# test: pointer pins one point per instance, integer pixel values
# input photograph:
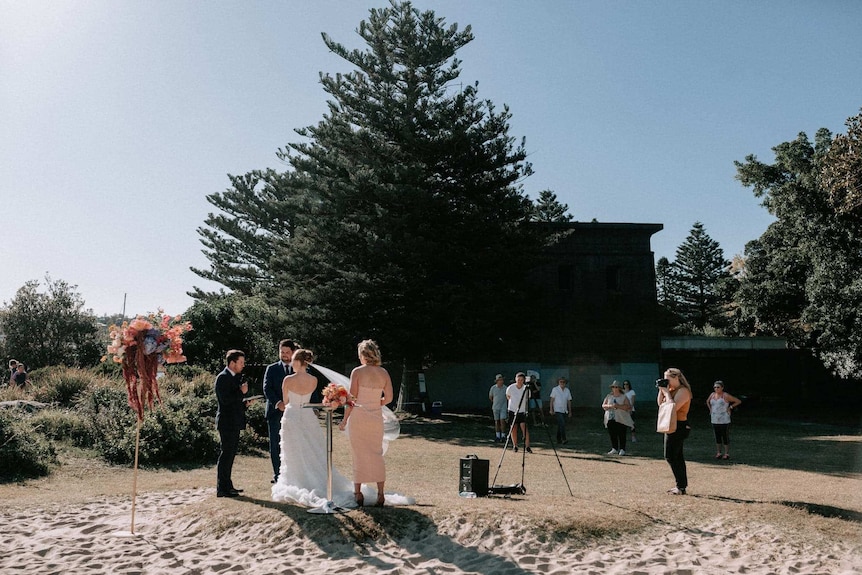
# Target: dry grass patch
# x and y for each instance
(612, 498)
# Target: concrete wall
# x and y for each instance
(465, 386)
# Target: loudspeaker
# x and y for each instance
(474, 476)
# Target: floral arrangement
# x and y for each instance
(140, 346)
(336, 396)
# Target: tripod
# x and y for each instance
(519, 488)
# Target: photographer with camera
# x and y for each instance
(518, 410)
(675, 389)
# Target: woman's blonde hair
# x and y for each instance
(678, 373)
(370, 352)
(305, 356)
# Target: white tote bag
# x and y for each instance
(666, 422)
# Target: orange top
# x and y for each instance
(682, 399)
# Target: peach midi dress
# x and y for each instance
(365, 428)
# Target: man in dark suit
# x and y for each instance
(272, 378)
(230, 418)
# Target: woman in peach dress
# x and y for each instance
(371, 386)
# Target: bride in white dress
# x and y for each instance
(302, 477)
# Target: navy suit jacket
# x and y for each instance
(272, 379)
(231, 405)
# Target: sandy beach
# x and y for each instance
(738, 518)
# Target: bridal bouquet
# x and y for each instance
(335, 396)
(140, 346)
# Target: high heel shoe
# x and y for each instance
(359, 498)
(380, 500)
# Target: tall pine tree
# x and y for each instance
(693, 282)
(402, 217)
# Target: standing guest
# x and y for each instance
(720, 404)
(20, 377)
(618, 419)
(678, 392)
(535, 386)
(497, 396)
(230, 419)
(561, 407)
(630, 394)
(272, 390)
(518, 410)
(13, 367)
(371, 385)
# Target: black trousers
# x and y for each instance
(229, 443)
(617, 432)
(275, 444)
(673, 443)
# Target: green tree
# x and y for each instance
(691, 286)
(222, 322)
(802, 275)
(664, 279)
(842, 169)
(403, 210)
(51, 327)
(548, 209)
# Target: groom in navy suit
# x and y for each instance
(272, 379)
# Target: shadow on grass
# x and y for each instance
(759, 442)
(829, 511)
(413, 532)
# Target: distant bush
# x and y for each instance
(63, 425)
(109, 369)
(256, 433)
(178, 431)
(62, 385)
(110, 422)
(186, 371)
(12, 393)
(24, 452)
(200, 385)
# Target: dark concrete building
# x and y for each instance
(598, 280)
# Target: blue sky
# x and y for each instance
(117, 118)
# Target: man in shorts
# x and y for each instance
(518, 410)
(497, 396)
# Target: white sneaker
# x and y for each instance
(612, 452)
(622, 451)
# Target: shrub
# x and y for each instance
(61, 385)
(12, 393)
(180, 430)
(23, 451)
(200, 385)
(110, 422)
(109, 369)
(255, 415)
(189, 372)
(63, 425)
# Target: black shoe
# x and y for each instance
(528, 450)
(273, 480)
(516, 449)
(227, 494)
(235, 491)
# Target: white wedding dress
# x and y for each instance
(302, 476)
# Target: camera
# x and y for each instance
(533, 385)
(661, 382)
